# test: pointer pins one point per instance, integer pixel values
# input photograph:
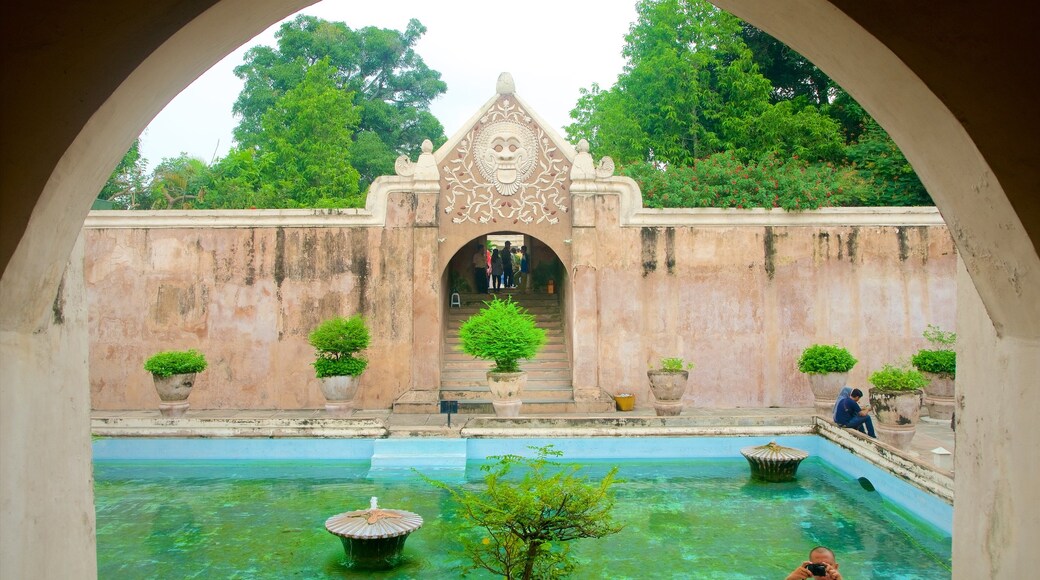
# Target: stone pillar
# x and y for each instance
(997, 405)
(584, 323)
(46, 478)
(427, 307)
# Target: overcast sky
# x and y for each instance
(553, 48)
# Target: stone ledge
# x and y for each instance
(901, 464)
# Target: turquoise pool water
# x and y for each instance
(683, 518)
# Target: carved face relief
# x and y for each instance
(505, 155)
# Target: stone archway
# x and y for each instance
(63, 132)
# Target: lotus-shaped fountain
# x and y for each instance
(373, 538)
(772, 462)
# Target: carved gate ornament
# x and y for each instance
(506, 169)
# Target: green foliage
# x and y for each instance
(940, 362)
(335, 342)
(376, 68)
(891, 378)
(700, 86)
(880, 161)
(826, 358)
(126, 186)
(339, 367)
(305, 146)
(675, 365)
(175, 362)
(502, 332)
(939, 337)
(528, 510)
(722, 180)
(179, 183)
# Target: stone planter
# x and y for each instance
(505, 392)
(938, 396)
(896, 414)
(339, 393)
(668, 388)
(825, 388)
(173, 393)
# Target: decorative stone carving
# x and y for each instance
(506, 169)
(505, 84)
(425, 169)
(583, 165)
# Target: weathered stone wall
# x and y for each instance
(740, 301)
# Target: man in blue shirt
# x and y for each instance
(848, 414)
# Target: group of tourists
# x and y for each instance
(498, 269)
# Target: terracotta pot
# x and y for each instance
(173, 392)
(668, 388)
(825, 388)
(339, 393)
(939, 396)
(896, 414)
(505, 392)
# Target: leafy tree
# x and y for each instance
(180, 182)
(304, 150)
(883, 164)
(698, 82)
(528, 510)
(790, 73)
(378, 68)
(126, 186)
(691, 88)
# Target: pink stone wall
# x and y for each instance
(740, 302)
(743, 302)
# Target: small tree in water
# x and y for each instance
(528, 511)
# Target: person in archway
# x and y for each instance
(525, 269)
(849, 414)
(480, 269)
(507, 265)
(496, 270)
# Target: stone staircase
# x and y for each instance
(548, 390)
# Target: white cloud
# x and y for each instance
(552, 48)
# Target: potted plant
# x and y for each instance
(896, 402)
(827, 367)
(503, 332)
(668, 384)
(336, 342)
(939, 366)
(173, 373)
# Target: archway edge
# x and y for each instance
(31, 274)
(997, 251)
(561, 254)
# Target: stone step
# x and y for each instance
(480, 374)
(530, 407)
(408, 453)
(556, 383)
(551, 336)
(529, 393)
(484, 366)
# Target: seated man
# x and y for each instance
(848, 414)
(821, 564)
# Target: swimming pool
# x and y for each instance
(241, 508)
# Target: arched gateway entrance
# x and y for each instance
(925, 75)
(507, 171)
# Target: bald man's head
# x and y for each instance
(823, 555)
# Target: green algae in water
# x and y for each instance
(683, 519)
